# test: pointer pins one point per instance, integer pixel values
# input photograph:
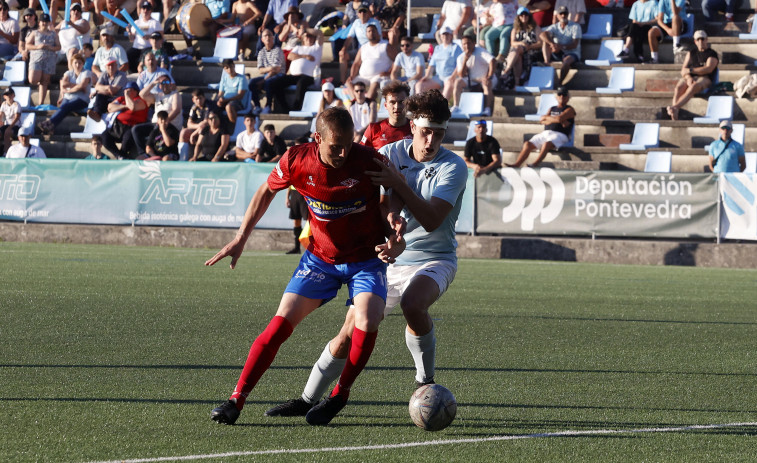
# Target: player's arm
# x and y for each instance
(395, 229)
(258, 206)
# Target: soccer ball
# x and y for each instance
(432, 407)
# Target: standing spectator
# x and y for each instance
(246, 14)
(43, 48)
(75, 86)
(163, 95)
(441, 65)
(140, 43)
(112, 7)
(73, 33)
(395, 127)
(373, 63)
(109, 86)
(577, 10)
(726, 154)
(274, 16)
(9, 32)
(670, 14)
(558, 126)
(303, 61)
(107, 51)
(455, 15)
(212, 142)
(130, 110)
(358, 32)
(697, 73)
(233, 95)
(292, 30)
(362, 110)
(409, 62)
(541, 10)
(272, 147)
(525, 48)
(30, 19)
(329, 99)
(474, 71)
(643, 16)
(482, 151)
(392, 19)
(271, 67)
(161, 50)
(23, 149)
(562, 41)
(10, 115)
(248, 142)
(163, 139)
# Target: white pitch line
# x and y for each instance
(436, 442)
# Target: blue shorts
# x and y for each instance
(317, 279)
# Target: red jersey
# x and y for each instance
(129, 117)
(344, 205)
(382, 133)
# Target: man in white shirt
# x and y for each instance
(373, 63)
(109, 50)
(359, 33)
(9, 32)
(457, 15)
(474, 71)
(562, 41)
(23, 149)
(362, 110)
(305, 59)
(248, 142)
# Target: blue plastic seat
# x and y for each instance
(719, 108)
(471, 105)
(600, 25)
(645, 135)
(621, 80)
(608, 53)
(310, 105)
(546, 101)
(541, 78)
(226, 48)
(658, 161)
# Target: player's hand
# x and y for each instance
(388, 176)
(389, 251)
(397, 223)
(233, 249)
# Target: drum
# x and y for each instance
(190, 19)
(231, 31)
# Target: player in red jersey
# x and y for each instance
(348, 232)
(396, 126)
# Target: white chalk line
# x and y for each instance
(568, 433)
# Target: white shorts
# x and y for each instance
(557, 138)
(399, 278)
(367, 81)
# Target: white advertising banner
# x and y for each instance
(738, 214)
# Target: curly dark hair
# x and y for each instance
(429, 104)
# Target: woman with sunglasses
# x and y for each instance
(213, 141)
(525, 48)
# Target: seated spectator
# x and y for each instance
(140, 43)
(392, 17)
(329, 99)
(362, 110)
(562, 41)
(726, 154)
(213, 140)
(107, 51)
(396, 126)
(75, 86)
(233, 95)
(246, 14)
(248, 142)
(541, 10)
(643, 16)
(497, 38)
(409, 62)
(73, 33)
(474, 72)
(441, 65)
(357, 34)
(30, 18)
(670, 14)
(558, 126)
(292, 30)
(162, 94)
(373, 63)
(272, 147)
(577, 10)
(129, 109)
(197, 119)
(96, 145)
(525, 49)
(43, 48)
(161, 50)
(150, 71)
(109, 86)
(162, 142)
(713, 9)
(303, 61)
(9, 32)
(271, 66)
(697, 73)
(482, 152)
(10, 117)
(23, 149)
(455, 15)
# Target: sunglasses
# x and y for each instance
(360, 91)
(405, 45)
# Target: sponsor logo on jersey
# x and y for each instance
(331, 211)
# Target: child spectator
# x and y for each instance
(10, 113)
(162, 143)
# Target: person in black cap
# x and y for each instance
(558, 127)
(30, 18)
(140, 43)
(562, 41)
(162, 50)
(482, 151)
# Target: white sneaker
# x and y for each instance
(454, 109)
(487, 112)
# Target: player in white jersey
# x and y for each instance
(429, 197)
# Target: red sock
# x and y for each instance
(261, 356)
(360, 352)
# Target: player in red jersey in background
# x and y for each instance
(397, 126)
(348, 231)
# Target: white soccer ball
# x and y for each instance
(432, 407)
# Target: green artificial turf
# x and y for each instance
(118, 353)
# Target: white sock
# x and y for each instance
(676, 41)
(423, 350)
(653, 55)
(325, 371)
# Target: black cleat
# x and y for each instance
(294, 407)
(419, 384)
(226, 413)
(325, 411)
